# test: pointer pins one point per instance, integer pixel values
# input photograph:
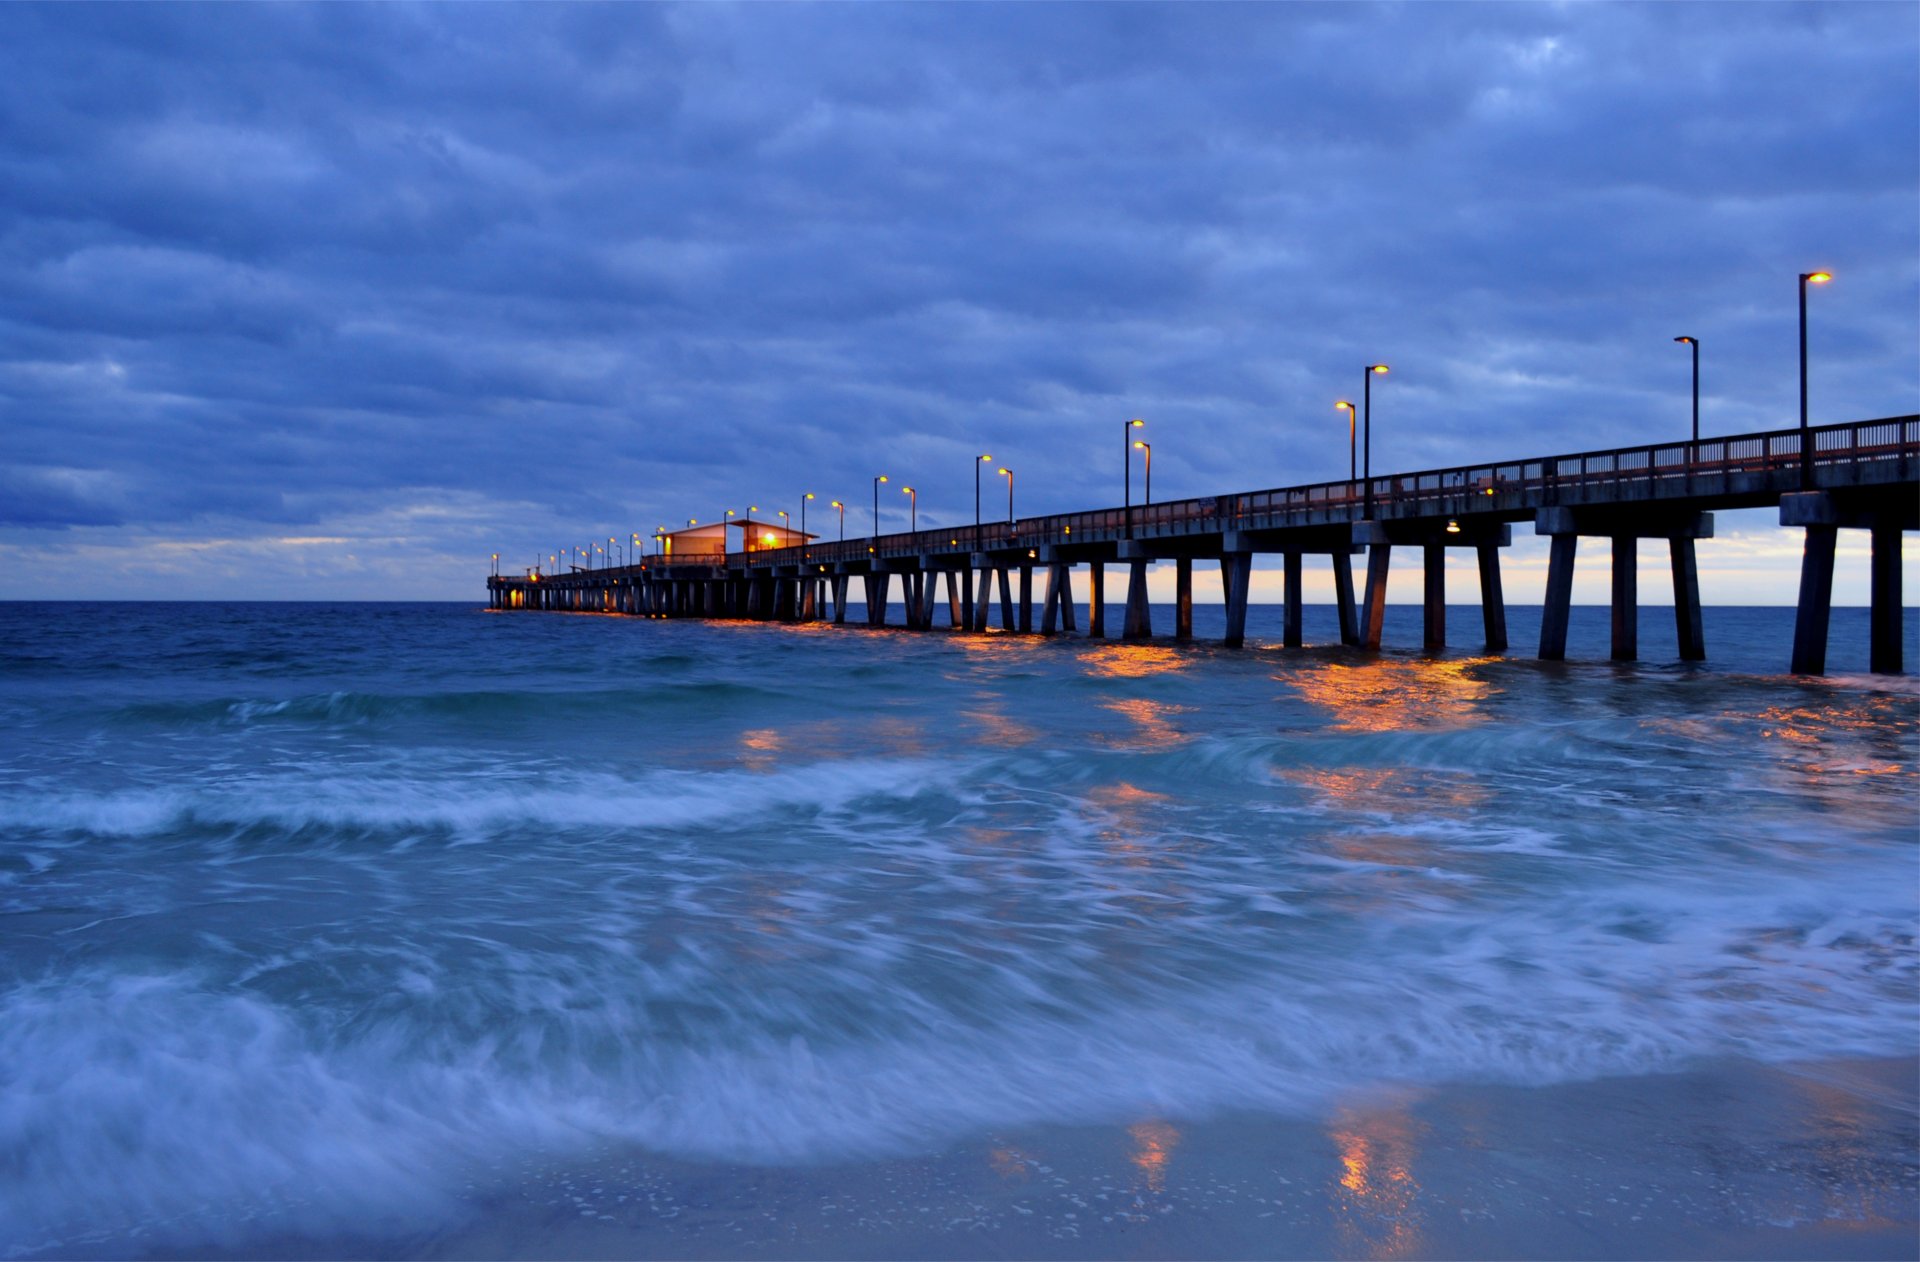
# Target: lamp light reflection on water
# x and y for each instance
(1376, 1202)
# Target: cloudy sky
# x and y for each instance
(336, 301)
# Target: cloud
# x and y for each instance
(612, 265)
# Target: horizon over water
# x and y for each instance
(396, 928)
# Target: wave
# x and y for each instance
(201, 1102)
(348, 708)
(469, 805)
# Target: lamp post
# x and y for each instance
(611, 550)
(1366, 434)
(1353, 439)
(1148, 449)
(803, 513)
(1126, 457)
(1806, 440)
(913, 508)
(878, 479)
(786, 535)
(496, 565)
(1694, 343)
(976, 498)
(1008, 475)
(843, 518)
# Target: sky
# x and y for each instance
(335, 302)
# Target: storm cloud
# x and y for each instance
(340, 300)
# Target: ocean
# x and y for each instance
(418, 930)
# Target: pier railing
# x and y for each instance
(1752, 464)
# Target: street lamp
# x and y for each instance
(786, 536)
(1126, 457)
(878, 479)
(1694, 342)
(913, 508)
(496, 565)
(1366, 434)
(1353, 445)
(1008, 474)
(803, 513)
(1148, 449)
(976, 497)
(843, 518)
(1806, 442)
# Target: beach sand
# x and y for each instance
(1732, 1160)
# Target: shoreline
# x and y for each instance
(1733, 1159)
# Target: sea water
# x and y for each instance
(314, 915)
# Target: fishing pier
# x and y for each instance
(1861, 475)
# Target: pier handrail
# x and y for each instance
(1503, 487)
(1509, 488)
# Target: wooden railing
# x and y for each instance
(1660, 471)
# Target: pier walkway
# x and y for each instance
(1861, 475)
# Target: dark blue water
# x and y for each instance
(312, 913)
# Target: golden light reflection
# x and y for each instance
(1828, 748)
(1392, 695)
(1856, 1184)
(1152, 723)
(1133, 661)
(1009, 1162)
(1124, 794)
(762, 748)
(1376, 1206)
(1154, 1143)
(995, 728)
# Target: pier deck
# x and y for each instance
(1856, 475)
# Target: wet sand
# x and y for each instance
(1735, 1160)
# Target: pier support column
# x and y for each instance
(983, 601)
(841, 582)
(1493, 603)
(1139, 620)
(1183, 598)
(1373, 612)
(1059, 602)
(1026, 600)
(955, 617)
(1686, 601)
(1007, 622)
(1343, 597)
(966, 600)
(1434, 597)
(1096, 600)
(1626, 598)
(1558, 604)
(1290, 618)
(1236, 577)
(1884, 611)
(1816, 601)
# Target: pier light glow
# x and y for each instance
(1380, 369)
(1819, 278)
(1453, 526)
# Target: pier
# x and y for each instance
(1862, 475)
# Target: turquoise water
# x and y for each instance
(313, 912)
